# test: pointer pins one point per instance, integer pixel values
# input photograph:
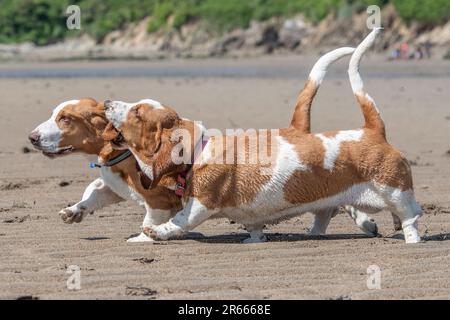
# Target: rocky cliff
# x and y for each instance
(277, 35)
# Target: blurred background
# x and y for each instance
(135, 29)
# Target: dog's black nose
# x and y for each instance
(107, 103)
(34, 138)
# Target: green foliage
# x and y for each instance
(39, 21)
(103, 16)
(44, 21)
(161, 13)
(428, 11)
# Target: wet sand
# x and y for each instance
(36, 247)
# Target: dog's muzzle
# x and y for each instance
(34, 138)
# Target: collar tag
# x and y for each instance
(181, 185)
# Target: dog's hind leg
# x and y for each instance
(408, 211)
(321, 220)
(256, 235)
(96, 196)
(363, 221)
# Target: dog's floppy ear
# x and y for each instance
(157, 151)
(154, 144)
(110, 133)
(98, 122)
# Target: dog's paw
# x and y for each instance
(152, 232)
(142, 237)
(259, 239)
(69, 216)
(397, 225)
(370, 227)
(315, 232)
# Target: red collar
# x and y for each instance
(181, 178)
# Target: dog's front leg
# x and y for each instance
(193, 214)
(152, 217)
(96, 196)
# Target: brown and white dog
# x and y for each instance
(76, 126)
(311, 172)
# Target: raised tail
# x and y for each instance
(301, 120)
(371, 114)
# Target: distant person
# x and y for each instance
(418, 53)
(404, 50)
(395, 53)
(427, 48)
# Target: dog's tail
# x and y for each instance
(371, 114)
(301, 119)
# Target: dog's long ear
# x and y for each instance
(110, 133)
(158, 145)
(154, 144)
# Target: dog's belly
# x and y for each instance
(119, 186)
(276, 208)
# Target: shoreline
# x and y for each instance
(290, 66)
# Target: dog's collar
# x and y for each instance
(112, 162)
(181, 178)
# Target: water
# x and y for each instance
(383, 71)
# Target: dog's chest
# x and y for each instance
(119, 186)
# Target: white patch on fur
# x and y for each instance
(118, 111)
(287, 162)
(319, 69)
(147, 169)
(333, 145)
(119, 186)
(362, 195)
(49, 132)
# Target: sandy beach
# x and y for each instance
(36, 247)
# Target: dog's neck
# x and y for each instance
(107, 152)
(196, 133)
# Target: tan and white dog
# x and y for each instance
(311, 172)
(76, 126)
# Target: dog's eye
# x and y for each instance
(118, 140)
(137, 114)
(65, 120)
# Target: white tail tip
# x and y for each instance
(319, 69)
(353, 68)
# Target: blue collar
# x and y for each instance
(121, 157)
